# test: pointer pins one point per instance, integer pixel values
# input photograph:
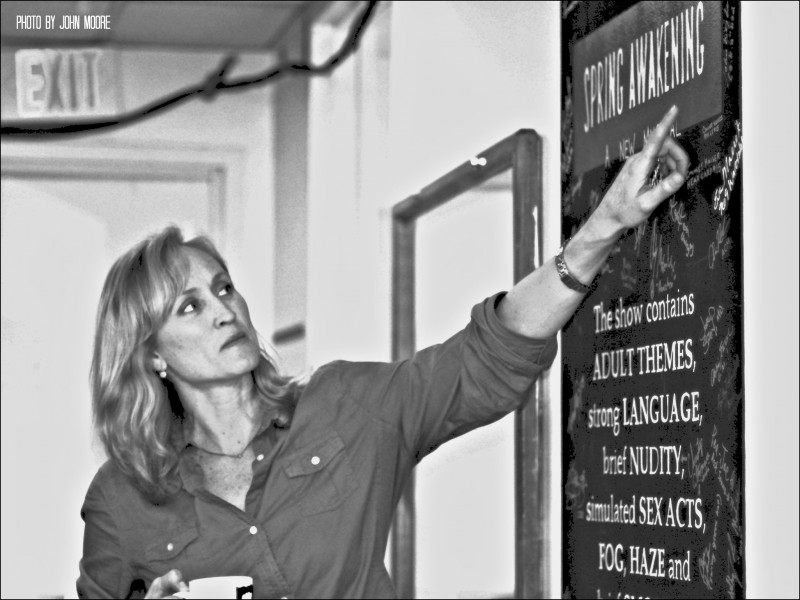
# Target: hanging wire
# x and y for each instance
(207, 89)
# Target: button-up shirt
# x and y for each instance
(318, 511)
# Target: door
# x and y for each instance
(63, 224)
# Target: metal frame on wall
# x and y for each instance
(522, 153)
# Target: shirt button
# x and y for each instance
(260, 457)
(254, 530)
(170, 547)
(315, 460)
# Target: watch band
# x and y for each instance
(566, 277)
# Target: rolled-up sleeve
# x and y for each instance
(474, 378)
(103, 567)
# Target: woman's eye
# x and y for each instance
(225, 289)
(189, 307)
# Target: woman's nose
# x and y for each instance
(223, 313)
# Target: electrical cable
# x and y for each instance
(207, 90)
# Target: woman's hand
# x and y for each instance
(630, 200)
(167, 584)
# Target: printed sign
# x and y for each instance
(653, 396)
(652, 56)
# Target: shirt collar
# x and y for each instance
(189, 469)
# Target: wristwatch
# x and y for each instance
(566, 277)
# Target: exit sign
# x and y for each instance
(62, 84)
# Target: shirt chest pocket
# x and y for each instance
(174, 548)
(320, 475)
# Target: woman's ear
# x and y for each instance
(157, 363)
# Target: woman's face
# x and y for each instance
(208, 337)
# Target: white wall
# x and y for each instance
(60, 235)
(769, 175)
(349, 242)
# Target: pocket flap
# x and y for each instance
(313, 458)
(171, 544)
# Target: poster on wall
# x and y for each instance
(653, 390)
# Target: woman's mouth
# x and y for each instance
(234, 339)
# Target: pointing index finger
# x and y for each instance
(656, 138)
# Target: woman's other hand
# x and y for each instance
(167, 584)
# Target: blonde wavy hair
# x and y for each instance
(138, 416)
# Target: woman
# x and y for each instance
(219, 466)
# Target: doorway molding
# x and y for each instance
(220, 169)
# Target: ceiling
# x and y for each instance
(188, 25)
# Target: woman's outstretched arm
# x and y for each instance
(540, 304)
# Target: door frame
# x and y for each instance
(218, 168)
(520, 152)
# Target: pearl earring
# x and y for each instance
(163, 374)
